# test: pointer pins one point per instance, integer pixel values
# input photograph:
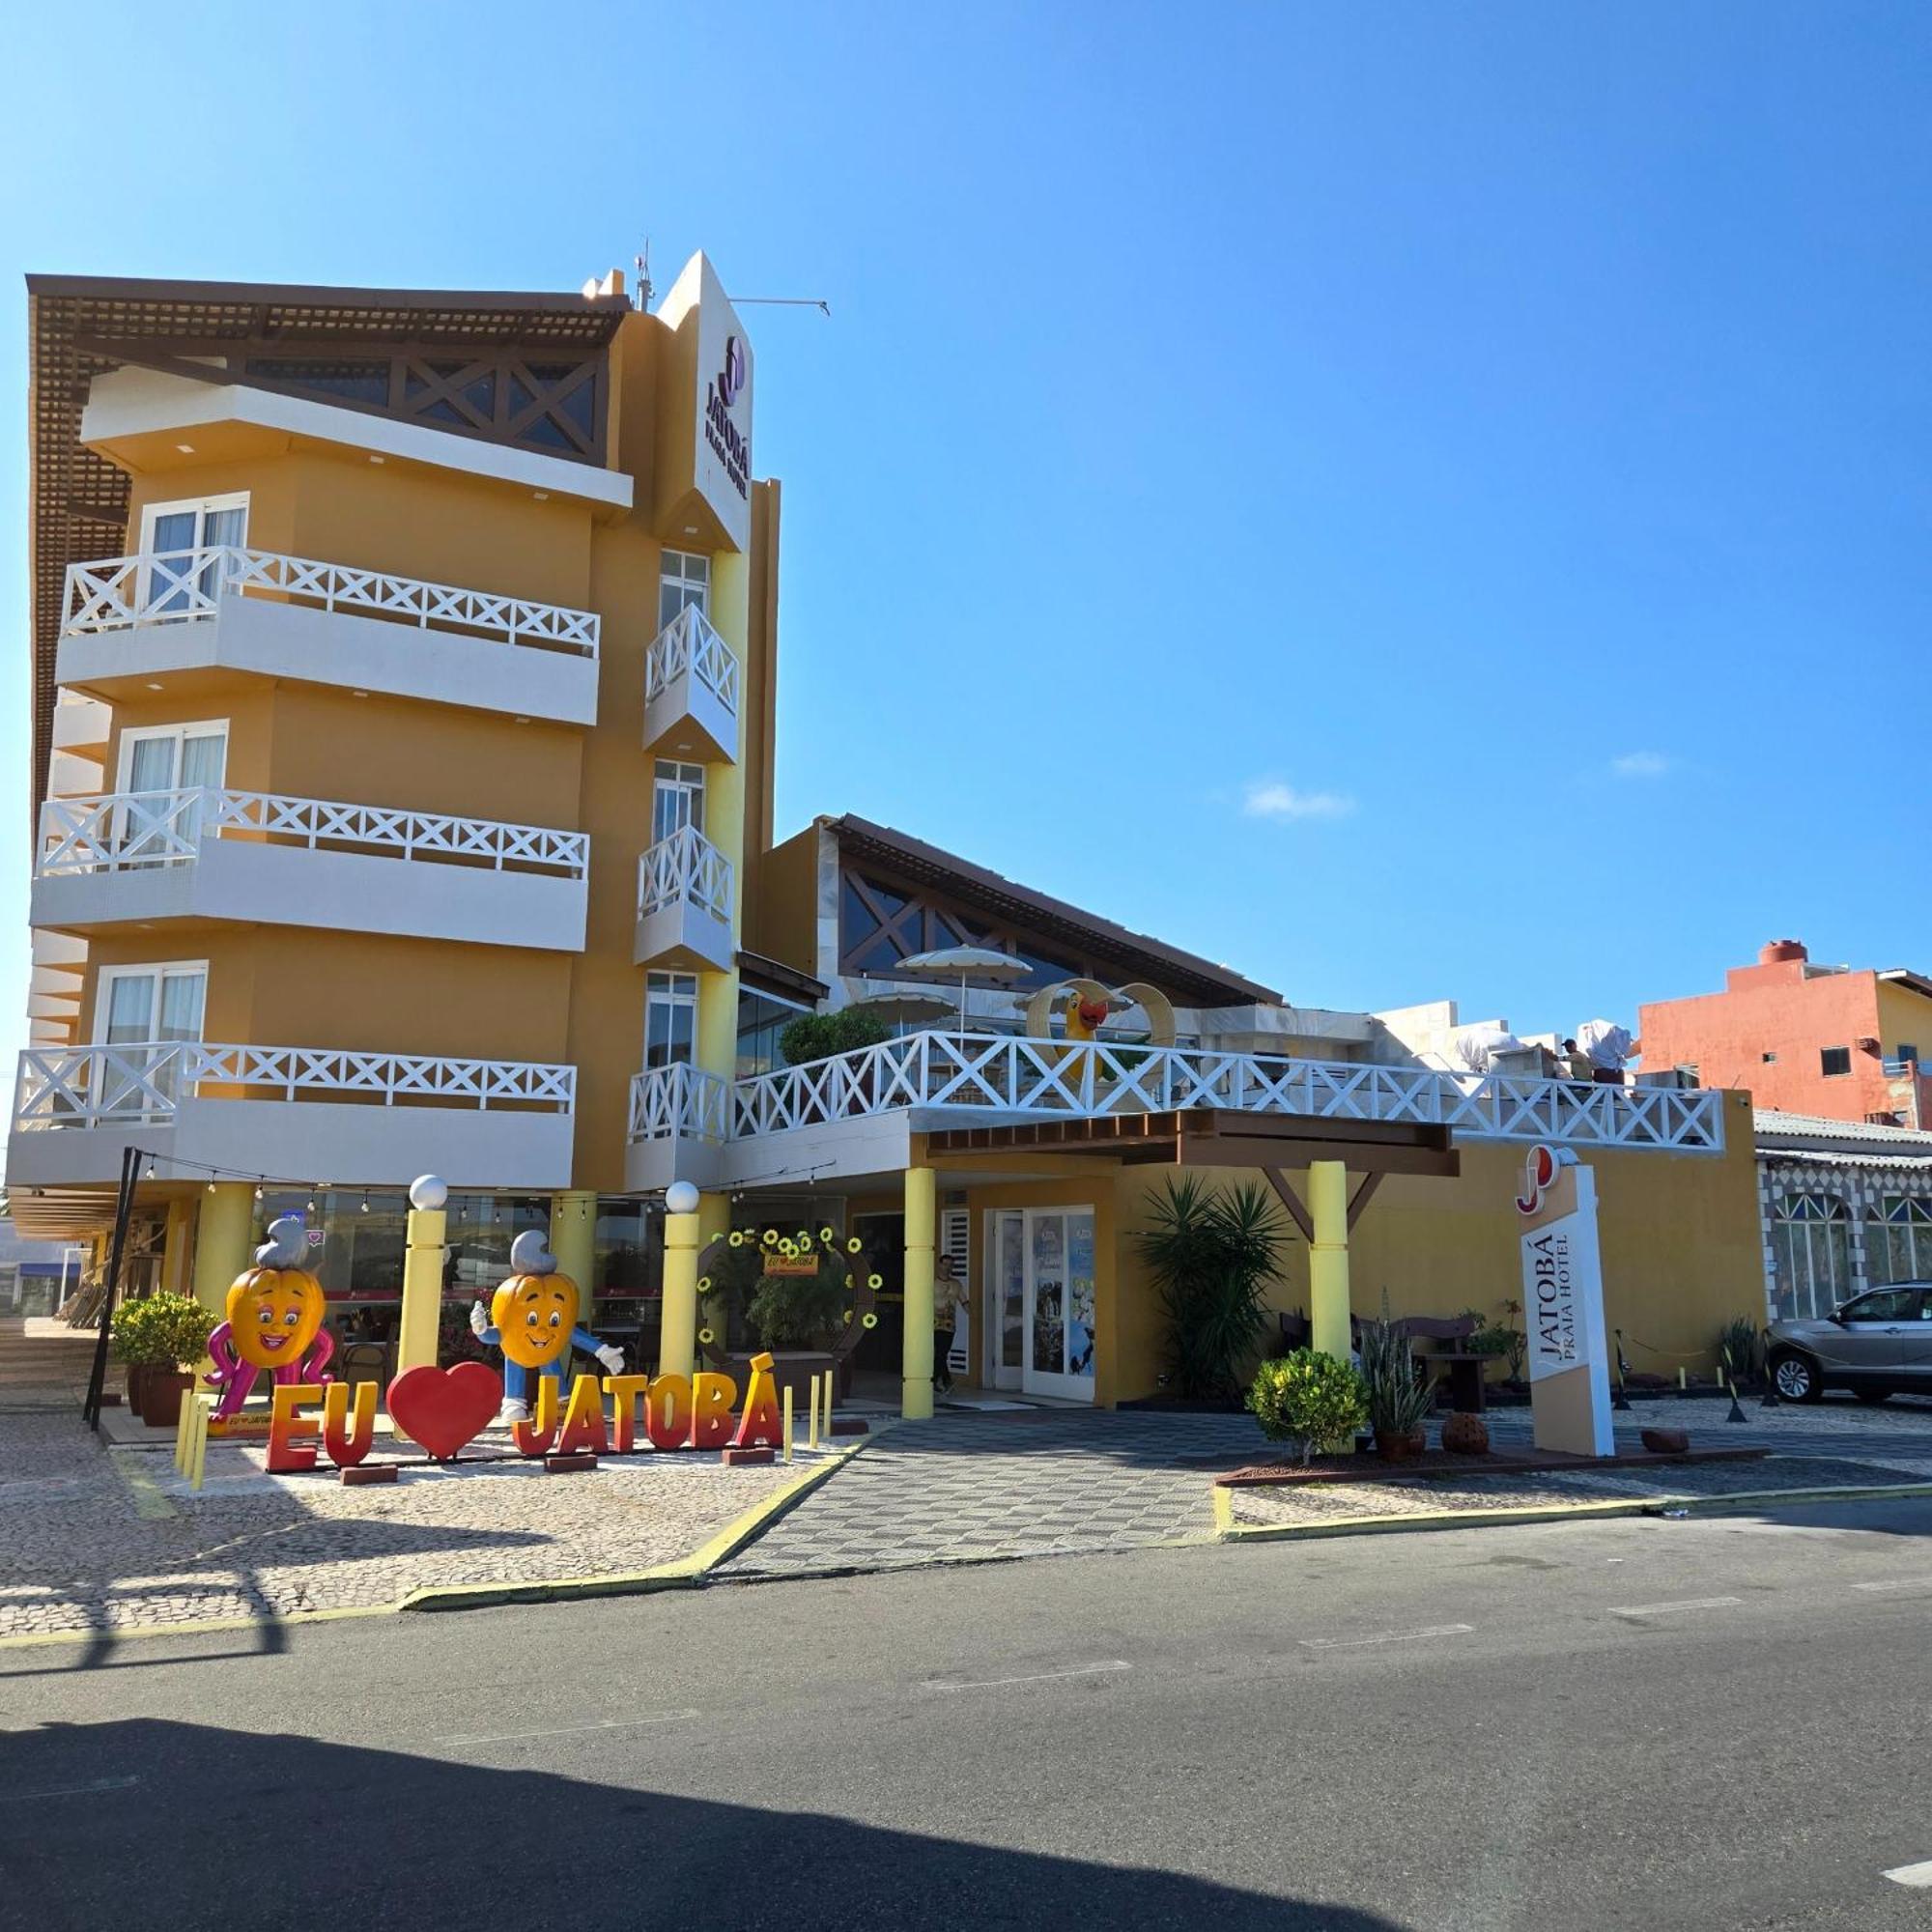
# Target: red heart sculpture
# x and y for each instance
(444, 1409)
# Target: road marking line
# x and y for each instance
(1919, 1874)
(572, 1730)
(70, 1790)
(1386, 1636)
(1661, 1609)
(1032, 1677)
(1898, 1583)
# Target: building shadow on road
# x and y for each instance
(169, 1825)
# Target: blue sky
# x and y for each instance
(1414, 501)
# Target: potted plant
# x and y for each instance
(135, 1340)
(1399, 1398)
(165, 1336)
(1308, 1398)
(1212, 1257)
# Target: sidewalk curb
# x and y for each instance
(686, 1572)
(1231, 1531)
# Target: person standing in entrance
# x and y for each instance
(949, 1296)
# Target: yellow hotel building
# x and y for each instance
(404, 679)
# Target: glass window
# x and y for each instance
(170, 533)
(1906, 1050)
(679, 799)
(138, 1003)
(684, 577)
(670, 1018)
(1811, 1255)
(1901, 1241)
(762, 1019)
(1834, 1060)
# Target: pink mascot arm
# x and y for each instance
(223, 1352)
(232, 1375)
(321, 1352)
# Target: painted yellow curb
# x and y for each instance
(682, 1574)
(1231, 1531)
(686, 1572)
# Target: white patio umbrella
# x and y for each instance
(964, 963)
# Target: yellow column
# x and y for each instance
(677, 1335)
(921, 1219)
(730, 612)
(1328, 1258)
(176, 1243)
(225, 1220)
(422, 1274)
(573, 1240)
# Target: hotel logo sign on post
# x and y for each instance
(1563, 1304)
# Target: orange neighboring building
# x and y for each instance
(1804, 1038)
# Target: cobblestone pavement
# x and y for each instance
(1019, 1483)
(968, 1487)
(99, 1539)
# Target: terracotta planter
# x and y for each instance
(137, 1381)
(161, 1394)
(1465, 1435)
(1393, 1448)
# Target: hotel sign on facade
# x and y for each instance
(721, 376)
(1563, 1304)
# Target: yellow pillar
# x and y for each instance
(677, 1333)
(422, 1274)
(921, 1220)
(176, 1243)
(573, 1240)
(1328, 1258)
(730, 612)
(225, 1220)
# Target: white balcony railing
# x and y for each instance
(173, 586)
(1018, 1078)
(688, 642)
(678, 1102)
(144, 1083)
(685, 868)
(128, 831)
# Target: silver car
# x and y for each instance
(1877, 1344)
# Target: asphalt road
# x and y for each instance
(1706, 1723)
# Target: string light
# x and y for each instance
(258, 1190)
(365, 1201)
(211, 1187)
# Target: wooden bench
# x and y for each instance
(1461, 1370)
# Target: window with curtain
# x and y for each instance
(670, 1018)
(173, 532)
(1902, 1250)
(1812, 1250)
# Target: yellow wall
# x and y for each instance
(1903, 1015)
(1681, 1247)
(784, 915)
(294, 986)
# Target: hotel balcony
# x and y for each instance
(132, 622)
(684, 905)
(680, 1117)
(211, 854)
(290, 1112)
(854, 1114)
(691, 691)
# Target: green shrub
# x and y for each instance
(1308, 1398)
(1738, 1349)
(796, 1311)
(818, 1036)
(161, 1331)
(1211, 1257)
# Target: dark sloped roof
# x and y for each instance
(1185, 972)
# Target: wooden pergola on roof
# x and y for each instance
(1221, 1137)
(81, 326)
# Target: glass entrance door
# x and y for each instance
(1041, 1301)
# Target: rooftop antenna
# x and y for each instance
(784, 301)
(641, 262)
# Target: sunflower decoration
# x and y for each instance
(738, 1237)
(853, 1244)
(771, 1237)
(869, 1320)
(826, 1237)
(706, 1337)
